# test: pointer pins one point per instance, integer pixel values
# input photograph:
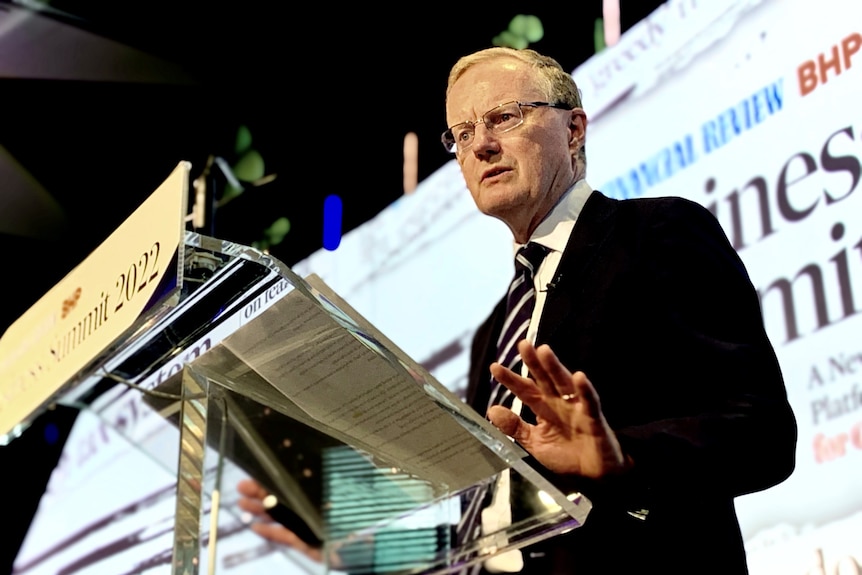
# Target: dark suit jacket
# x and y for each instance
(655, 306)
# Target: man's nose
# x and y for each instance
(484, 141)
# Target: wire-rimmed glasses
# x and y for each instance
(499, 119)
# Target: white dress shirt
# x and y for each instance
(553, 232)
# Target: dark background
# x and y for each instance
(328, 94)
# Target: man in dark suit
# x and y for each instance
(648, 381)
(655, 390)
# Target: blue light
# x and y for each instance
(51, 433)
(332, 210)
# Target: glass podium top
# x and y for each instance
(242, 369)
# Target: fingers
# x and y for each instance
(252, 505)
(251, 499)
(251, 488)
(532, 392)
(553, 377)
(252, 496)
(278, 533)
(523, 387)
(550, 379)
(506, 421)
(587, 394)
(550, 374)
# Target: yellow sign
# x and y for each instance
(94, 304)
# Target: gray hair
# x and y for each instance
(556, 84)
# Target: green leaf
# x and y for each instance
(249, 167)
(518, 26)
(230, 192)
(276, 232)
(507, 38)
(533, 29)
(279, 227)
(599, 35)
(243, 140)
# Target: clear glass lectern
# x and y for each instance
(248, 370)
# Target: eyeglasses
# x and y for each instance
(498, 120)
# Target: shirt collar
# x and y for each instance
(554, 231)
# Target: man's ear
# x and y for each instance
(577, 128)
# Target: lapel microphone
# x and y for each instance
(552, 285)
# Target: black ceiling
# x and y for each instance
(328, 93)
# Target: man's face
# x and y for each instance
(519, 175)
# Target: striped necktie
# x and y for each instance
(520, 302)
(519, 305)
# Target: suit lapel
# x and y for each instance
(582, 251)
